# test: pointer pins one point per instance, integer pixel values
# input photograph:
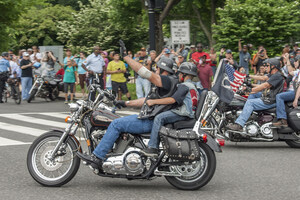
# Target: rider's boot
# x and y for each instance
(150, 152)
(281, 123)
(92, 160)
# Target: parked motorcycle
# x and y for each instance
(186, 159)
(44, 87)
(215, 115)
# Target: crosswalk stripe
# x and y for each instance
(8, 142)
(21, 129)
(56, 115)
(35, 120)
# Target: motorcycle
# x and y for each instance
(215, 115)
(44, 87)
(52, 159)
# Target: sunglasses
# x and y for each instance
(180, 57)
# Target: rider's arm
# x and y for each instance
(163, 101)
(259, 78)
(261, 87)
(135, 103)
(153, 78)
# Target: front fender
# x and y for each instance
(70, 136)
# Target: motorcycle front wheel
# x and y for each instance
(58, 171)
(197, 174)
(17, 96)
(32, 95)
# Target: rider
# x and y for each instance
(186, 96)
(270, 89)
(131, 123)
(288, 95)
(4, 69)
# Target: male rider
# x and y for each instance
(270, 89)
(186, 99)
(131, 124)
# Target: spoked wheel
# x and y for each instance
(57, 171)
(294, 143)
(17, 95)
(196, 174)
(32, 95)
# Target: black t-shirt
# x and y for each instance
(166, 85)
(28, 71)
(259, 63)
(180, 94)
(269, 95)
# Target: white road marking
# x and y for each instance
(56, 115)
(21, 129)
(9, 142)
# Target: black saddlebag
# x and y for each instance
(180, 144)
(294, 119)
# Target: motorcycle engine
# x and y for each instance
(266, 130)
(129, 163)
(252, 128)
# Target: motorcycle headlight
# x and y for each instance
(73, 107)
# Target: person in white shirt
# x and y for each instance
(36, 56)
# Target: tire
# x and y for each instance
(43, 170)
(32, 94)
(200, 176)
(293, 143)
(17, 95)
(55, 93)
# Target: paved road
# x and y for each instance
(244, 171)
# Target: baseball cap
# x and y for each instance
(25, 54)
(228, 51)
(143, 49)
(167, 51)
(193, 46)
(29, 49)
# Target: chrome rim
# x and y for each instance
(47, 169)
(193, 171)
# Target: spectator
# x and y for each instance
(199, 54)
(20, 55)
(183, 51)
(104, 55)
(213, 57)
(221, 55)
(245, 57)
(16, 71)
(36, 56)
(129, 53)
(151, 61)
(164, 53)
(142, 85)
(117, 69)
(111, 55)
(50, 60)
(190, 53)
(4, 68)
(26, 77)
(95, 64)
(70, 79)
(229, 60)
(29, 50)
(204, 73)
(295, 47)
(179, 60)
(261, 72)
(81, 73)
(67, 58)
(260, 57)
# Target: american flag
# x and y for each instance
(236, 78)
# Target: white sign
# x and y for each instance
(180, 31)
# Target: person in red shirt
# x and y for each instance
(60, 73)
(204, 72)
(197, 55)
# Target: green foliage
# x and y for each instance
(39, 26)
(10, 12)
(75, 4)
(271, 23)
(103, 23)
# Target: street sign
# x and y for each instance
(180, 31)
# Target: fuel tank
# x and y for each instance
(102, 118)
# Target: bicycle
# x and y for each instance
(13, 90)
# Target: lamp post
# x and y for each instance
(151, 14)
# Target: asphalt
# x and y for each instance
(244, 171)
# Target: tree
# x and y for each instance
(38, 26)
(75, 4)
(103, 23)
(271, 23)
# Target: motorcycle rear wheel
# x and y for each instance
(58, 171)
(293, 143)
(198, 174)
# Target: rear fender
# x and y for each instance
(213, 144)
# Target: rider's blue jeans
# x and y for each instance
(128, 124)
(254, 96)
(252, 104)
(161, 119)
(280, 99)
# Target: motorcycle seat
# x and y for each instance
(271, 110)
(185, 124)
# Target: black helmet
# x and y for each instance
(166, 64)
(273, 62)
(188, 68)
(5, 54)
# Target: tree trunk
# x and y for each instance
(213, 18)
(203, 26)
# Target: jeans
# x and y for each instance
(252, 104)
(254, 96)
(141, 84)
(128, 124)
(200, 91)
(214, 69)
(26, 83)
(2, 86)
(280, 99)
(161, 119)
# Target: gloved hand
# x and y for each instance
(123, 52)
(120, 104)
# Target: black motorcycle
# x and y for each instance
(215, 115)
(46, 87)
(186, 159)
